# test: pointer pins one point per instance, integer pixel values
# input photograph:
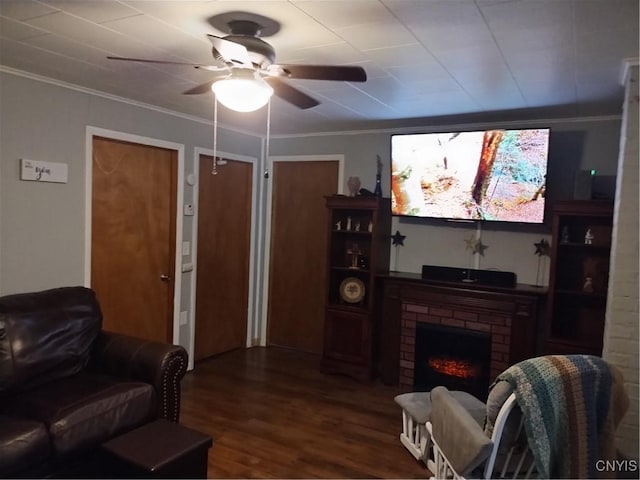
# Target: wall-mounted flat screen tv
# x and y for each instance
(493, 175)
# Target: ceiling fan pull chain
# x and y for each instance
(214, 162)
(266, 148)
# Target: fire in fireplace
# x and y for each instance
(457, 358)
(454, 367)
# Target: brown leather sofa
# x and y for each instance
(66, 385)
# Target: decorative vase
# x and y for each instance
(354, 185)
(378, 190)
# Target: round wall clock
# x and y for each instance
(352, 290)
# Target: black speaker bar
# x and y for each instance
(469, 275)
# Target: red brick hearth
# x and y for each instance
(508, 315)
(496, 325)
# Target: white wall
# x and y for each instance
(621, 330)
(574, 144)
(42, 225)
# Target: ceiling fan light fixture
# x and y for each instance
(243, 91)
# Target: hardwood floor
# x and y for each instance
(273, 414)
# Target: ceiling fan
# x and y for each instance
(243, 57)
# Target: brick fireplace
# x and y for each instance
(508, 316)
(498, 327)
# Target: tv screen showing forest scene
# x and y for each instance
(494, 175)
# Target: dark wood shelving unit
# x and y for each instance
(358, 251)
(579, 276)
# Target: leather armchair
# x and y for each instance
(66, 386)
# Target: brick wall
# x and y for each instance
(498, 327)
(621, 327)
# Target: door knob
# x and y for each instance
(164, 277)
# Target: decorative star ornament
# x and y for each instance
(480, 247)
(471, 243)
(475, 245)
(398, 238)
(543, 248)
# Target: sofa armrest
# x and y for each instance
(160, 364)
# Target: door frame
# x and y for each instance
(252, 311)
(268, 217)
(153, 142)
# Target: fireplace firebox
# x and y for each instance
(456, 358)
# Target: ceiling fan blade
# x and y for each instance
(230, 51)
(325, 72)
(165, 62)
(291, 94)
(197, 90)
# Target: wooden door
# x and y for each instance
(133, 215)
(224, 246)
(298, 256)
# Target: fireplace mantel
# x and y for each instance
(509, 315)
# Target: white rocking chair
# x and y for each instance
(462, 449)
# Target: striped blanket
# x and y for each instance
(571, 405)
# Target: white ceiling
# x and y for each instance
(423, 58)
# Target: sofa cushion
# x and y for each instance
(86, 409)
(498, 394)
(23, 443)
(46, 335)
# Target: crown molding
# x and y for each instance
(628, 63)
(456, 126)
(116, 98)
